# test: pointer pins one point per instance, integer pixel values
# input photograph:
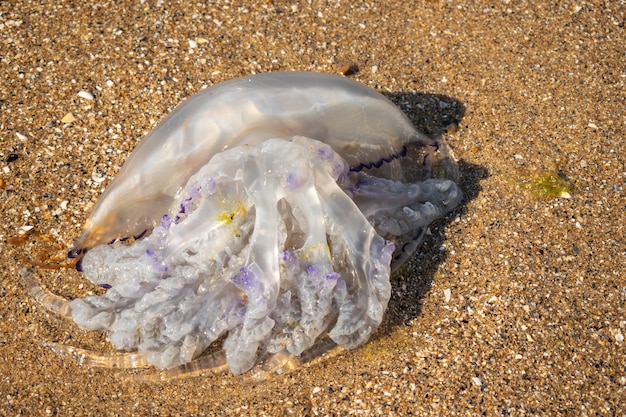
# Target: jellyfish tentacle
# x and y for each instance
(315, 276)
(409, 209)
(86, 357)
(214, 363)
(50, 301)
(284, 361)
(260, 278)
(364, 292)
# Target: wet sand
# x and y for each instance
(515, 304)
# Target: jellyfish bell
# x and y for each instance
(358, 123)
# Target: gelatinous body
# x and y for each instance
(359, 124)
(276, 206)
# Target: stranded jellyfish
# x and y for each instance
(269, 212)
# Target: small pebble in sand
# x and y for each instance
(68, 118)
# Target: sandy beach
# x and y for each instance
(516, 303)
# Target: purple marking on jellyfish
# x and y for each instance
(194, 192)
(208, 186)
(333, 276)
(184, 206)
(326, 152)
(156, 260)
(140, 235)
(244, 278)
(293, 182)
(289, 258)
(74, 253)
(385, 247)
(339, 169)
(79, 265)
(105, 286)
(418, 235)
(313, 271)
(389, 248)
(380, 162)
(166, 221)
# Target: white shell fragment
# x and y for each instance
(477, 381)
(269, 209)
(85, 94)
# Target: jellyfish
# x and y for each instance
(266, 213)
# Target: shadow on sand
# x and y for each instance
(436, 115)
